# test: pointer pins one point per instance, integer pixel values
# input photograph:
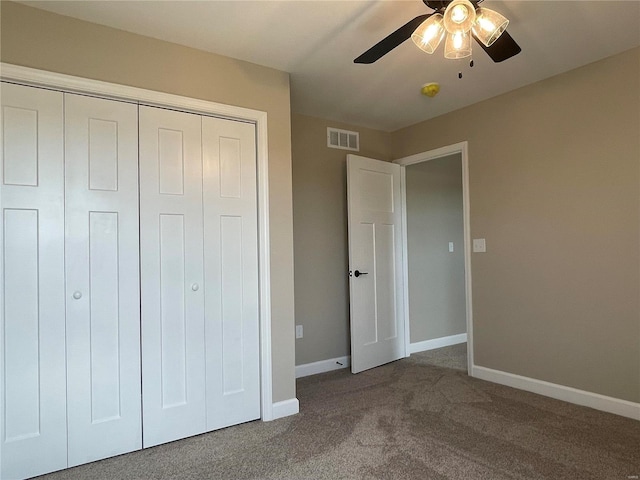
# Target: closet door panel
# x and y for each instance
(231, 272)
(33, 428)
(173, 349)
(102, 278)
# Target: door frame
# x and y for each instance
(462, 149)
(72, 84)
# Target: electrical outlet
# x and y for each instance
(298, 331)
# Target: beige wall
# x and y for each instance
(436, 276)
(47, 41)
(320, 234)
(555, 190)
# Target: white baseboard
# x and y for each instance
(559, 392)
(322, 366)
(437, 343)
(285, 408)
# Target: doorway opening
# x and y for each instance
(437, 251)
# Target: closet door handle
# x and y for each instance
(195, 287)
(77, 295)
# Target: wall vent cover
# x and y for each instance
(343, 139)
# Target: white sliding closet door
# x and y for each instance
(231, 272)
(33, 397)
(102, 287)
(171, 239)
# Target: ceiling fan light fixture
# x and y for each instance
(457, 45)
(489, 25)
(459, 16)
(429, 34)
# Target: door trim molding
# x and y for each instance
(461, 148)
(72, 84)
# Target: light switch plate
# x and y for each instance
(298, 331)
(479, 245)
(450, 246)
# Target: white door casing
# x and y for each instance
(102, 282)
(231, 272)
(375, 249)
(33, 386)
(172, 289)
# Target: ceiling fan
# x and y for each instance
(458, 20)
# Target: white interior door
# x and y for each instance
(375, 262)
(231, 272)
(33, 387)
(102, 283)
(171, 240)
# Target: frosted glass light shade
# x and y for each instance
(459, 16)
(458, 45)
(429, 34)
(489, 25)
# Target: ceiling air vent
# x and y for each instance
(343, 139)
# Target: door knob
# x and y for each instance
(357, 273)
(77, 295)
(195, 287)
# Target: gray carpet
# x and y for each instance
(417, 418)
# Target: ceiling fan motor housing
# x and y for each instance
(441, 5)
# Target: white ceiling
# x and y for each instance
(316, 42)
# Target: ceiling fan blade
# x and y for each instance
(503, 48)
(390, 42)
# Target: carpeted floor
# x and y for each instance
(417, 418)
